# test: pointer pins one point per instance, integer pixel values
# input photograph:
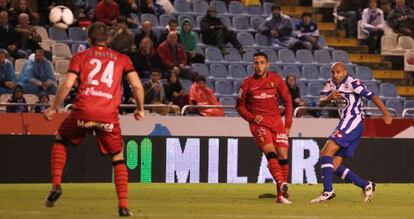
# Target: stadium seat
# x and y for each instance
(241, 23)
(218, 71)
(237, 71)
(256, 21)
(248, 56)
(202, 69)
(220, 7)
(388, 44)
(236, 86)
(224, 88)
(200, 6)
(409, 104)
(271, 55)
(388, 90)
(395, 104)
(364, 73)
(227, 101)
(77, 34)
(322, 56)
(304, 56)
(405, 42)
(233, 56)
(246, 39)
(183, 7)
(340, 56)
(314, 88)
(43, 33)
(74, 48)
(58, 35)
(292, 70)
(350, 70)
(267, 8)
(254, 10)
(61, 51)
(152, 18)
(18, 65)
(250, 69)
(165, 18)
(287, 56)
(325, 72)
(210, 84)
(262, 40)
(276, 69)
(302, 88)
(227, 22)
(213, 54)
(186, 85)
(372, 87)
(310, 73)
(374, 111)
(62, 66)
(236, 8)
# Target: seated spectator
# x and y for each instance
(401, 19)
(172, 26)
(17, 97)
(121, 38)
(214, 32)
(23, 7)
(307, 31)
(146, 58)
(7, 74)
(37, 75)
(173, 56)
(8, 37)
(200, 94)
(373, 26)
(188, 40)
(279, 28)
(42, 103)
(146, 31)
(154, 92)
(294, 91)
(28, 39)
(4, 5)
(126, 7)
(107, 11)
(167, 6)
(151, 7)
(349, 12)
(174, 92)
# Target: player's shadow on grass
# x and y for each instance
(267, 195)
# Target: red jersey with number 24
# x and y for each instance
(100, 71)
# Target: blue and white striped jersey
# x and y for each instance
(350, 105)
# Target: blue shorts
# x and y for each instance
(347, 142)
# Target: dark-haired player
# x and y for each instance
(258, 103)
(100, 71)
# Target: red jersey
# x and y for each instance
(260, 96)
(100, 71)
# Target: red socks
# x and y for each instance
(58, 160)
(121, 182)
(284, 165)
(276, 172)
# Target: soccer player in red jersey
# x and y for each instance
(100, 71)
(258, 103)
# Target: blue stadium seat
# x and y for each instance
(202, 69)
(373, 112)
(248, 56)
(200, 43)
(350, 70)
(165, 18)
(372, 87)
(77, 34)
(200, 6)
(276, 69)
(250, 69)
(218, 71)
(271, 55)
(224, 88)
(302, 88)
(287, 56)
(186, 85)
(256, 21)
(210, 84)
(220, 6)
(237, 71)
(213, 54)
(292, 70)
(310, 73)
(267, 8)
(340, 56)
(233, 56)
(409, 104)
(237, 8)
(246, 39)
(226, 22)
(395, 104)
(236, 86)
(262, 40)
(241, 23)
(322, 56)
(254, 10)
(325, 72)
(183, 7)
(304, 56)
(388, 90)
(314, 88)
(152, 18)
(364, 73)
(227, 101)
(58, 35)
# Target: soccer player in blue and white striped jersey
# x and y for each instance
(346, 92)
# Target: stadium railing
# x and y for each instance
(406, 111)
(186, 108)
(175, 108)
(316, 108)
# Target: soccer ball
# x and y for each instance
(61, 17)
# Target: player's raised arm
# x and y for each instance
(138, 92)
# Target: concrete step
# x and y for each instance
(389, 74)
(295, 10)
(333, 33)
(342, 42)
(353, 49)
(365, 58)
(383, 65)
(326, 26)
(405, 90)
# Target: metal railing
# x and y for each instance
(175, 108)
(25, 104)
(405, 111)
(317, 108)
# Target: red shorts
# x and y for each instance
(108, 135)
(264, 136)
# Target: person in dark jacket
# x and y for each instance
(17, 97)
(401, 19)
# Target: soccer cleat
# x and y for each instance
(369, 192)
(283, 200)
(325, 196)
(54, 195)
(284, 188)
(124, 212)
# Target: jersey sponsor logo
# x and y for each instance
(264, 96)
(281, 136)
(342, 103)
(90, 91)
(107, 127)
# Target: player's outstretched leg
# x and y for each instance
(327, 175)
(121, 184)
(58, 160)
(276, 172)
(284, 187)
(368, 188)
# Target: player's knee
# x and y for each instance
(271, 155)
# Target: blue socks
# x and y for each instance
(349, 176)
(327, 173)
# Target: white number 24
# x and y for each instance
(107, 76)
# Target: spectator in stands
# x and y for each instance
(126, 7)
(188, 40)
(7, 74)
(37, 75)
(146, 58)
(214, 32)
(373, 26)
(121, 38)
(17, 97)
(43, 101)
(146, 31)
(200, 94)
(172, 26)
(307, 31)
(401, 19)
(8, 37)
(173, 56)
(107, 11)
(4, 5)
(151, 7)
(294, 91)
(28, 39)
(279, 28)
(155, 93)
(349, 12)
(23, 7)
(174, 92)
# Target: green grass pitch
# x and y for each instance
(204, 201)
